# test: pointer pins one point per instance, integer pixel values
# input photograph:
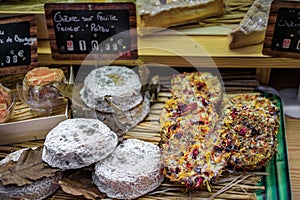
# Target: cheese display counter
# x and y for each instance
(182, 48)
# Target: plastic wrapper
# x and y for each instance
(257, 17)
(252, 28)
(38, 91)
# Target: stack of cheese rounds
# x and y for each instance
(113, 93)
(124, 170)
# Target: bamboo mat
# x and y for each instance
(235, 185)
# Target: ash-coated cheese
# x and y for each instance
(38, 190)
(79, 142)
(117, 84)
(132, 170)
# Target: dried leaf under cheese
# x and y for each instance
(26, 170)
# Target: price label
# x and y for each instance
(76, 30)
(18, 45)
(283, 30)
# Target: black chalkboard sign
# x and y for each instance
(286, 36)
(17, 44)
(78, 29)
(283, 30)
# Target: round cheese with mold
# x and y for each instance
(76, 143)
(118, 85)
(132, 170)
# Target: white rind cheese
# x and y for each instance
(76, 143)
(120, 85)
(132, 170)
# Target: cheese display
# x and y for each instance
(132, 170)
(249, 130)
(37, 90)
(76, 143)
(7, 101)
(118, 85)
(156, 13)
(252, 28)
(37, 190)
(202, 135)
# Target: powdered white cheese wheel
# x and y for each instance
(38, 190)
(132, 170)
(119, 84)
(76, 143)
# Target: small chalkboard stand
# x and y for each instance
(77, 30)
(283, 40)
(18, 44)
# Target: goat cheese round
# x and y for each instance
(76, 143)
(132, 170)
(117, 85)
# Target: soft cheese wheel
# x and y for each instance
(77, 143)
(120, 85)
(249, 131)
(38, 190)
(132, 170)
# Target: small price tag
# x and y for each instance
(18, 44)
(283, 30)
(107, 30)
